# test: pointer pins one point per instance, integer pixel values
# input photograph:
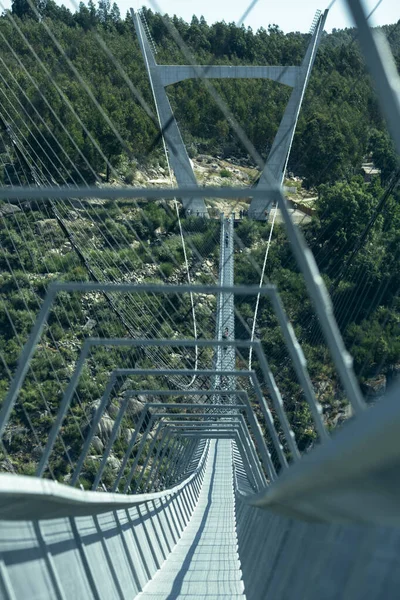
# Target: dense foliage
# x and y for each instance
(119, 242)
(41, 49)
(355, 240)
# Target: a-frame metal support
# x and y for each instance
(278, 157)
(174, 146)
(161, 76)
(224, 358)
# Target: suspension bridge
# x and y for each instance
(184, 477)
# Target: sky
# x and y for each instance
(289, 15)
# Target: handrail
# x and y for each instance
(351, 479)
(29, 498)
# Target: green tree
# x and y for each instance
(383, 154)
(23, 8)
(343, 210)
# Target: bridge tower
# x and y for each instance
(275, 167)
(161, 76)
(225, 318)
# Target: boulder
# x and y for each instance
(113, 411)
(97, 444)
(114, 463)
(374, 388)
(105, 427)
(127, 434)
(46, 226)
(135, 406)
(90, 323)
(344, 414)
(9, 209)
(6, 466)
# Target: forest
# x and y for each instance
(339, 124)
(63, 98)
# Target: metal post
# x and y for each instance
(157, 460)
(138, 454)
(149, 453)
(131, 445)
(114, 433)
(96, 420)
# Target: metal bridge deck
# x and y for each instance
(205, 562)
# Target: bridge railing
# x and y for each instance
(152, 440)
(281, 436)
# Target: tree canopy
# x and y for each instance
(339, 122)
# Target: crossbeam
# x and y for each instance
(161, 76)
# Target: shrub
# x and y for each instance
(167, 268)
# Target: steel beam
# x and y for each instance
(274, 169)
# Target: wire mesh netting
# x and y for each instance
(77, 111)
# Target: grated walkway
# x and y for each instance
(204, 563)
